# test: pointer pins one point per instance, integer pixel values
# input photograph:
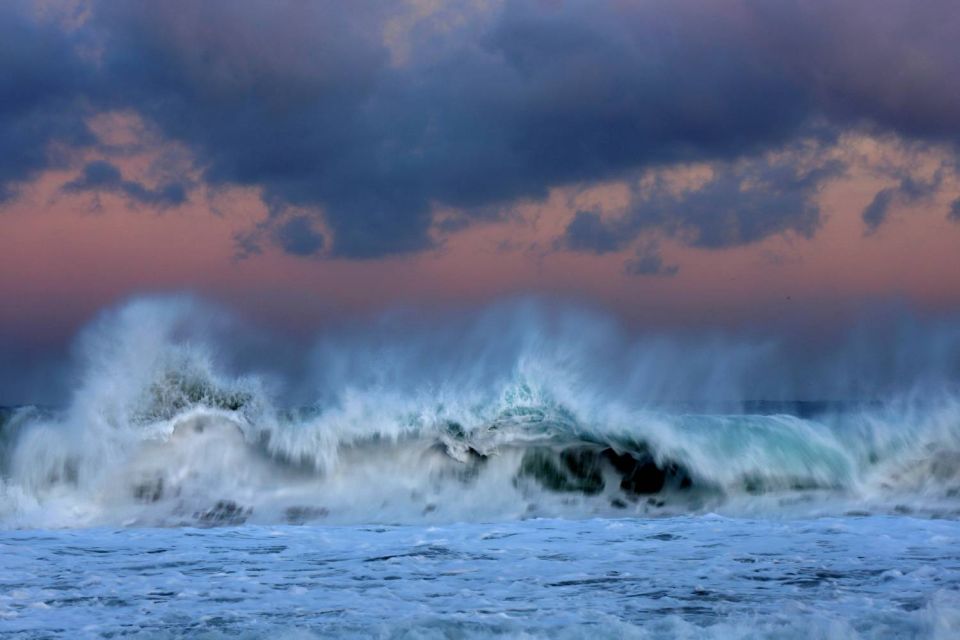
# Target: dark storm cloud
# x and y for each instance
(101, 176)
(886, 63)
(739, 203)
(588, 232)
(954, 214)
(298, 236)
(909, 191)
(876, 212)
(305, 101)
(271, 95)
(648, 262)
(41, 81)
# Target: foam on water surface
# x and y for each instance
(703, 576)
(528, 475)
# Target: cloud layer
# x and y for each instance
(101, 176)
(359, 120)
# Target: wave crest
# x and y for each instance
(516, 423)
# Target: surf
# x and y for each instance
(521, 414)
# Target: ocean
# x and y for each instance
(702, 576)
(535, 490)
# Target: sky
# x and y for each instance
(685, 164)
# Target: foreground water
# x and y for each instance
(690, 577)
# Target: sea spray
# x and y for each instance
(524, 411)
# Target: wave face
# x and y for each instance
(525, 411)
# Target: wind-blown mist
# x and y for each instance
(181, 414)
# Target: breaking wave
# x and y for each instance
(523, 412)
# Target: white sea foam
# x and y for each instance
(524, 411)
(685, 577)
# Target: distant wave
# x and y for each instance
(526, 422)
